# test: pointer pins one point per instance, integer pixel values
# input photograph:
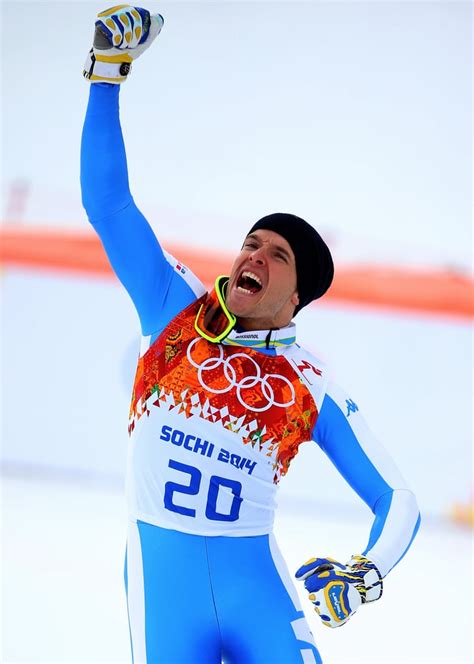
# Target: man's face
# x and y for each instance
(262, 286)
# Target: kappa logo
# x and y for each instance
(352, 407)
(246, 382)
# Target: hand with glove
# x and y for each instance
(338, 590)
(122, 34)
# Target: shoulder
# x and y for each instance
(312, 371)
(185, 274)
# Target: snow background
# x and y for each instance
(354, 115)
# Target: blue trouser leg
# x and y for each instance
(260, 617)
(202, 600)
(170, 604)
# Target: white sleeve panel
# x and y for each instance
(397, 533)
(345, 437)
(185, 273)
(372, 448)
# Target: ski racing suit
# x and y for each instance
(214, 426)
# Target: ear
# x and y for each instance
(295, 299)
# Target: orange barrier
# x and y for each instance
(423, 291)
(463, 514)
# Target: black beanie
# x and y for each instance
(314, 266)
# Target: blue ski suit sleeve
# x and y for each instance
(343, 435)
(157, 289)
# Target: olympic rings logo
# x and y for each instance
(245, 383)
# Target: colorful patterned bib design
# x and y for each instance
(259, 397)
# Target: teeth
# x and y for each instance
(253, 276)
(244, 290)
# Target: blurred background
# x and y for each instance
(356, 116)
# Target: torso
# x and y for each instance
(214, 428)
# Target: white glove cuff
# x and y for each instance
(373, 593)
(105, 72)
(374, 585)
(372, 578)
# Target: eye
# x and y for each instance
(281, 257)
(250, 244)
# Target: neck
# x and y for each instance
(262, 323)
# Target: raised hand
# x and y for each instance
(121, 35)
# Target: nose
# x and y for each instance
(258, 256)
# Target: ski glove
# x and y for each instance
(121, 35)
(338, 590)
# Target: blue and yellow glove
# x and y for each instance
(122, 34)
(338, 590)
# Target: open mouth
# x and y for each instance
(249, 283)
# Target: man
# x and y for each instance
(223, 397)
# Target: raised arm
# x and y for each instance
(155, 285)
